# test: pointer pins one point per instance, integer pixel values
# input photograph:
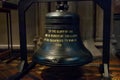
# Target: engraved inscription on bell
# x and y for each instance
(60, 36)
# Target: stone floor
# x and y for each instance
(39, 72)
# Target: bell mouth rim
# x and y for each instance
(64, 64)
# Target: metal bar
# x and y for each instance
(94, 20)
(49, 6)
(26, 3)
(8, 36)
(10, 25)
(9, 5)
(106, 31)
(4, 10)
(100, 3)
(22, 32)
(106, 6)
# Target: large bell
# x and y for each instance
(62, 45)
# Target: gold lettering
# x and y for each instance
(59, 45)
(66, 31)
(49, 31)
(57, 40)
(54, 31)
(60, 36)
(46, 35)
(60, 40)
(46, 39)
(54, 35)
(60, 31)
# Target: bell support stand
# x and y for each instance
(106, 6)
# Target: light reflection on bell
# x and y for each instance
(62, 45)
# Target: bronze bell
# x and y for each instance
(62, 45)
